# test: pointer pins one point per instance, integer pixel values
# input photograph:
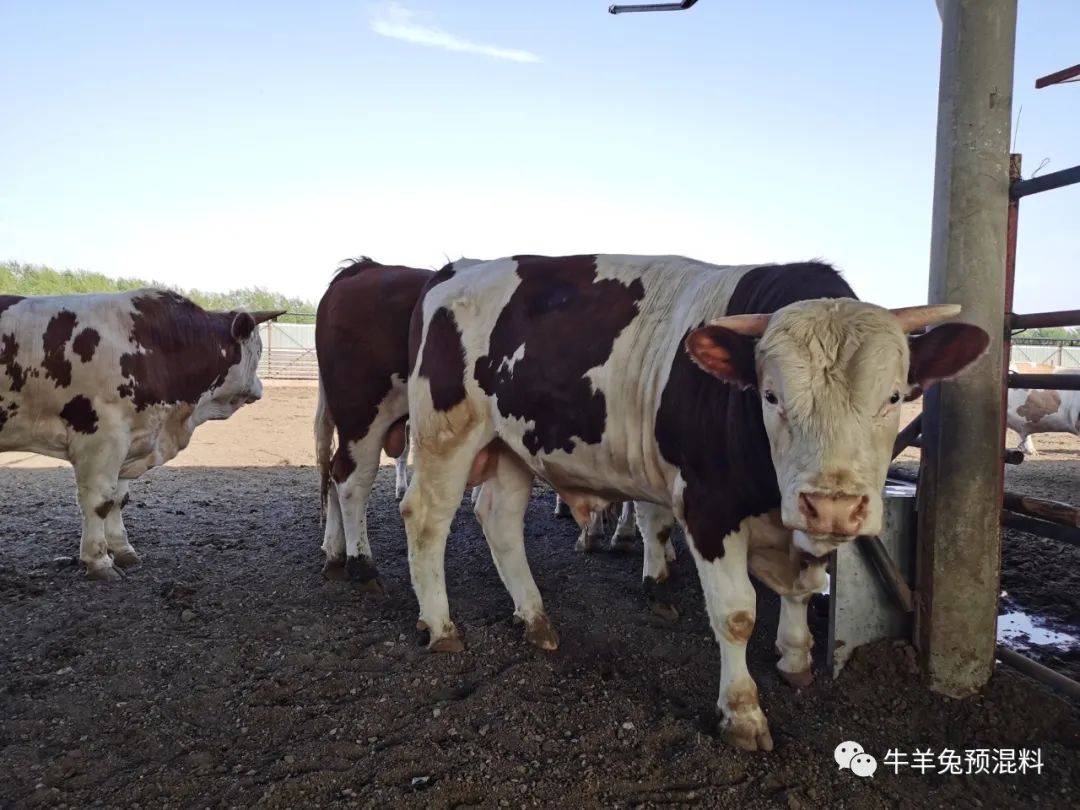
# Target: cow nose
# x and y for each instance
(828, 513)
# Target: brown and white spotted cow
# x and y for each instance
(116, 384)
(1043, 411)
(362, 343)
(758, 405)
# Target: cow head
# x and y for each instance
(831, 375)
(242, 385)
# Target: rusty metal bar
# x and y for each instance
(1042, 320)
(1053, 511)
(890, 573)
(1067, 75)
(1053, 382)
(1046, 182)
(1034, 669)
(1040, 528)
(907, 437)
(683, 6)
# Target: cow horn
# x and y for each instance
(267, 314)
(748, 325)
(912, 319)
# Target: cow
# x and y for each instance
(116, 384)
(1043, 411)
(591, 537)
(362, 346)
(754, 405)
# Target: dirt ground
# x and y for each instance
(225, 672)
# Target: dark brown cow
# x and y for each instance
(116, 384)
(362, 340)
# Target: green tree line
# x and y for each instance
(1050, 333)
(33, 279)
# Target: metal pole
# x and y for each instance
(962, 443)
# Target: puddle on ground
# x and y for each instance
(1020, 630)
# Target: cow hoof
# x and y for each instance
(562, 510)
(400, 493)
(540, 633)
(587, 545)
(665, 610)
(798, 680)
(621, 545)
(658, 596)
(447, 644)
(103, 573)
(126, 558)
(363, 572)
(335, 570)
(748, 732)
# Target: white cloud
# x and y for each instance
(395, 21)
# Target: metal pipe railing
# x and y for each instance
(683, 6)
(1046, 182)
(1043, 320)
(1053, 382)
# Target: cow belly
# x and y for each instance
(45, 436)
(599, 470)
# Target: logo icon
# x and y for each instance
(851, 755)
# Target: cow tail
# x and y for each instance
(324, 446)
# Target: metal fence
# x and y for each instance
(1060, 356)
(289, 352)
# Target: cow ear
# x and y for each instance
(724, 354)
(944, 352)
(242, 326)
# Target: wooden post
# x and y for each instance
(961, 483)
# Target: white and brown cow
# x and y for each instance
(758, 405)
(362, 344)
(1043, 411)
(116, 384)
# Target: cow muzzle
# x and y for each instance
(832, 513)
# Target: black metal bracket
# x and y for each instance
(683, 6)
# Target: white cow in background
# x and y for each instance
(1043, 411)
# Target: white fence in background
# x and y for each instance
(289, 352)
(1058, 356)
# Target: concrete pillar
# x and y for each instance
(961, 483)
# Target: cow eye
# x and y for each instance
(894, 398)
(770, 397)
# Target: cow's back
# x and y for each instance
(575, 353)
(362, 338)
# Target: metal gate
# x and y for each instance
(288, 351)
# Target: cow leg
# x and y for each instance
(116, 536)
(97, 472)
(655, 524)
(731, 605)
(1027, 445)
(401, 469)
(501, 511)
(353, 494)
(794, 582)
(561, 509)
(591, 537)
(440, 474)
(333, 544)
(623, 538)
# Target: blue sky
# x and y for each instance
(229, 144)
